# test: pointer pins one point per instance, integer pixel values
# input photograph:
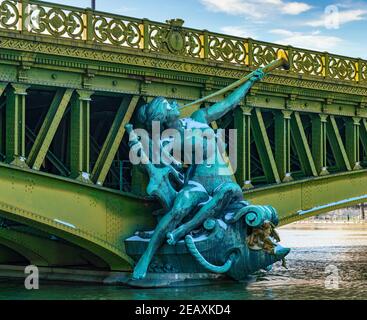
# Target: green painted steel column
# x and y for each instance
(145, 35)
(283, 144)
(319, 143)
(2, 113)
(352, 126)
(242, 118)
(89, 26)
(80, 136)
(15, 124)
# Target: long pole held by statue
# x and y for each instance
(281, 61)
(94, 4)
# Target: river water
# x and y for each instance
(326, 262)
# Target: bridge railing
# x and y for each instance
(84, 25)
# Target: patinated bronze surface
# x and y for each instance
(208, 209)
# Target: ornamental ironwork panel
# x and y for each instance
(173, 38)
(9, 15)
(117, 31)
(227, 49)
(308, 62)
(342, 68)
(53, 20)
(263, 53)
(85, 26)
(363, 68)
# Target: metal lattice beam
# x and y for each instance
(264, 148)
(301, 145)
(56, 162)
(363, 135)
(113, 139)
(48, 128)
(337, 145)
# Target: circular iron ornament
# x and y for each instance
(175, 41)
(116, 32)
(59, 23)
(262, 55)
(342, 69)
(227, 50)
(307, 63)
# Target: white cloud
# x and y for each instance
(234, 7)
(295, 8)
(272, 1)
(282, 32)
(341, 16)
(256, 8)
(312, 41)
(238, 31)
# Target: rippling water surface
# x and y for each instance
(319, 257)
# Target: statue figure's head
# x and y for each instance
(159, 109)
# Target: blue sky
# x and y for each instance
(336, 26)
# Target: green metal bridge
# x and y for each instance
(71, 78)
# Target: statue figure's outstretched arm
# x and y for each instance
(220, 108)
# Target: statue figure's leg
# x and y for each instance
(222, 197)
(184, 203)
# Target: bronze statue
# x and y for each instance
(208, 190)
